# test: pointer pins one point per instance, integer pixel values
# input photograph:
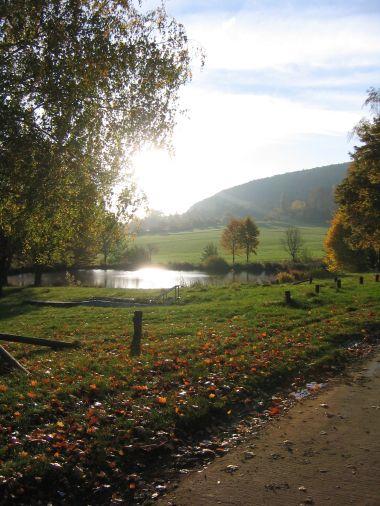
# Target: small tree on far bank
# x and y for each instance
(292, 242)
(230, 239)
(248, 236)
(210, 250)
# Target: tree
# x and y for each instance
(292, 242)
(248, 236)
(151, 248)
(82, 85)
(358, 196)
(339, 254)
(230, 239)
(210, 250)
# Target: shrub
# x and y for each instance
(284, 277)
(216, 265)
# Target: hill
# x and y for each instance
(306, 196)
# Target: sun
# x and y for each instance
(156, 174)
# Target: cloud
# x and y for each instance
(283, 85)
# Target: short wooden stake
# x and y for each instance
(317, 288)
(137, 333)
(288, 297)
(361, 280)
(377, 278)
(338, 283)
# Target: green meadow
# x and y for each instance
(188, 246)
(77, 426)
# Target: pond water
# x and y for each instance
(149, 277)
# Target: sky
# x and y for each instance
(282, 87)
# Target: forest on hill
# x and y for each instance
(303, 197)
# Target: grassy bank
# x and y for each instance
(188, 246)
(86, 422)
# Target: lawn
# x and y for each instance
(84, 425)
(188, 246)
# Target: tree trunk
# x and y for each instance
(5, 263)
(37, 275)
(247, 251)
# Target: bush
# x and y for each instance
(297, 274)
(284, 277)
(215, 265)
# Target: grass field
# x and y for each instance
(83, 426)
(188, 246)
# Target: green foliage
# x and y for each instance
(356, 227)
(303, 197)
(210, 250)
(83, 84)
(215, 265)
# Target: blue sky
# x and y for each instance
(282, 87)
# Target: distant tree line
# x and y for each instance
(316, 208)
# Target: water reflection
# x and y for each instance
(149, 277)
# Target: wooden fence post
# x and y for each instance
(317, 288)
(310, 280)
(338, 283)
(288, 297)
(137, 333)
(361, 280)
(377, 277)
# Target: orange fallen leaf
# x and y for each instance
(161, 400)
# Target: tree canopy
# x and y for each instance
(83, 84)
(240, 235)
(292, 242)
(358, 196)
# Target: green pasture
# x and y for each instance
(79, 423)
(188, 246)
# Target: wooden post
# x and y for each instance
(288, 297)
(310, 280)
(317, 288)
(335, 279)
(9, 359)
(338, 283)
(377, 277)
(137, 333)
(361, 280)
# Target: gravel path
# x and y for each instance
(325, 450)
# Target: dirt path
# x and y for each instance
(326, 450)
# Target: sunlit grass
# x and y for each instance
(220, 348)
(188, 246)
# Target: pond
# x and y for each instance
(149, 277)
